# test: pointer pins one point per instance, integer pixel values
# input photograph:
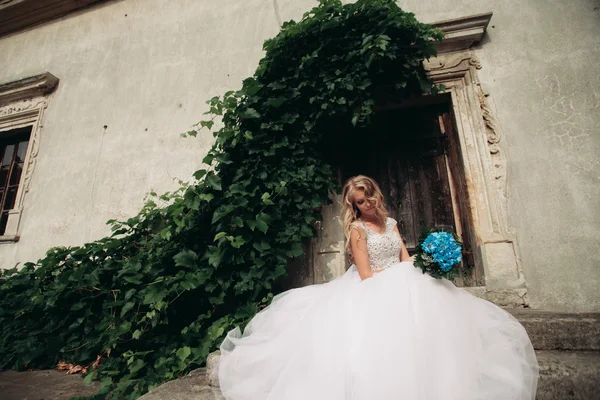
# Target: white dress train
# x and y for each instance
(398, 335)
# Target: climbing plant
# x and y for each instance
(148, 303)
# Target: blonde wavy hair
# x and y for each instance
(350, 212)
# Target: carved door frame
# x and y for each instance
(484, 168)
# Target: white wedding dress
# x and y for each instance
(398, 335)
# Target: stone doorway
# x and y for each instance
(411, 151)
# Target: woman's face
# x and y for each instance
(365, 206)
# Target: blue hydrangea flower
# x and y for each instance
(444, 250)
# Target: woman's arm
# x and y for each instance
(404, 256)
(358, 245)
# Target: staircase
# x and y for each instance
(567, 347)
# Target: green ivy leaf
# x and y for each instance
(237, 242)
(219, 236)
(90, 377)
(295, 251)
(275, 102)
(154, 295)
(237, 221)
(183, 353)
(266, 198)
(262, 222)
(214, 181)
(186, 258)
(221, 212)
(208, 159)
(136, 366)
(200, 174)
(207, 124)
(127, 307)
(206, 196)
(249, 113)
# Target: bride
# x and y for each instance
(383, 330)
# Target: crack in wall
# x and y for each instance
(567, 125)
(277, 13)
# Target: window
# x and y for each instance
(22, 106)
(13, 149)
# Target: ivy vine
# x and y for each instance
(153, 299)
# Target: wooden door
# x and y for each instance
(412, 154)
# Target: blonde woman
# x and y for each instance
(382, 331)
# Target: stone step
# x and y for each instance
(564, 375)
(43, 385)
(569, 375)
(193, 386)
(561, 331)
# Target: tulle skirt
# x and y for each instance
(398, 335)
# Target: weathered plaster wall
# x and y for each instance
(134, 65)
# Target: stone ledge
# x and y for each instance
(9, 238)
(194, 386)
(212, 368)
(19, 14)
(462, 33)
(33, 86)
(510, 298)
(561, 331)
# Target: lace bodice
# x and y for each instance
(384, 248)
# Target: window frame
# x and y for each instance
(22, 104)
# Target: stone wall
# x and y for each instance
(134, 74)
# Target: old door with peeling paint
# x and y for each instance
(412, 153)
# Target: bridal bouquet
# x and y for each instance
(439, 254)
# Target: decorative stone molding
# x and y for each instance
(484, 167)
(494, 136)
(462, 33)
(19, 14)
(30, 100)
(452, 65)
